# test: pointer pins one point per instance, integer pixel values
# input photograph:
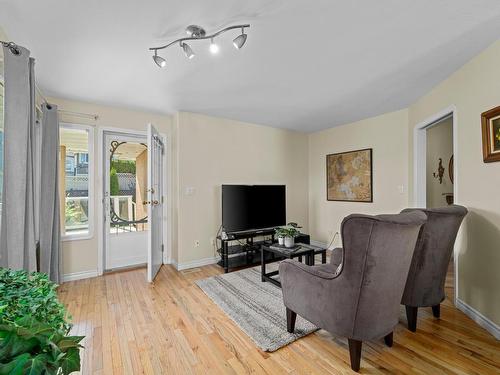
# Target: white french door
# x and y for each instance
(155, 202)
(125, 178)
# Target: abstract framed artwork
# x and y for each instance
(349, 176)
(490, 125)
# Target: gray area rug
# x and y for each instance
(256, 307)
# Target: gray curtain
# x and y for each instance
(50, 226)
(17, 236)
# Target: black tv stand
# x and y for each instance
(241, 249)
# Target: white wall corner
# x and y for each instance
(479, 318)
(195, 263)
(79, 275)
(173, 262)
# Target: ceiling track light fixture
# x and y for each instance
(198, 33)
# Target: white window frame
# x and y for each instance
(90, 234)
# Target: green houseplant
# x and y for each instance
(280, 234)
(34, 327)
(288, 234)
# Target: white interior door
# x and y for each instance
(155, 201)
(126, 222)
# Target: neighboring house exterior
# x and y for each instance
(77, 163)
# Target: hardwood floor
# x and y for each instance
(172, 327)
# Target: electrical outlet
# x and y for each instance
(196, 243)
(189, 190)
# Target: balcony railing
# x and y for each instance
(127, 220)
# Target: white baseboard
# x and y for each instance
(79, 275)
(195, 263)
(173, 262)
(479, 318)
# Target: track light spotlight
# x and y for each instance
(240, 40)
(187, 50)
(160, 61)
(214, 48)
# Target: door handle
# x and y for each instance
(155, 202)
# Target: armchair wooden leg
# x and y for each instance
(411, 316)
(291, 316)
(436, 311)
(389, 339)
(355, 353)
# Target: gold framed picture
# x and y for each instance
(349, 176)
(490, 125)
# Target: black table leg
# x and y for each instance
(323, 257)
(310, 259)
(225, 258)
(262, 265)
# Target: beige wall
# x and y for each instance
(387, 135)
(81, 255)
(473, 89)
(213, 151)
(207, 152)
(439, 145)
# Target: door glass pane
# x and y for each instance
(127, 186)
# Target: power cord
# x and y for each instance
(332, 241)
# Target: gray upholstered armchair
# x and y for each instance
(359, 299)
(427, 276)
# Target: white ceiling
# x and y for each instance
(307, 65)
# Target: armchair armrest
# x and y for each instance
(317, 293)
(324, 271)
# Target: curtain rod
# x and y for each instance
(13, 47)
(64, 112)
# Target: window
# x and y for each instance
(76, 180)
(1, 130)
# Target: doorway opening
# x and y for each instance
(435, 177)
(439, 163)
(125, 200)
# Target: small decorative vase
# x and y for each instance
(281, 241)
(289, 242)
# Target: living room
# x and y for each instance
(274, 111)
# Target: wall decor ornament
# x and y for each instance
(349, 176)
(439, 175)
(490, 125)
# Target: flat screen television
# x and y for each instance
(251, 207)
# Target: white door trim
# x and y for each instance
(419, 167)
(100, 192)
